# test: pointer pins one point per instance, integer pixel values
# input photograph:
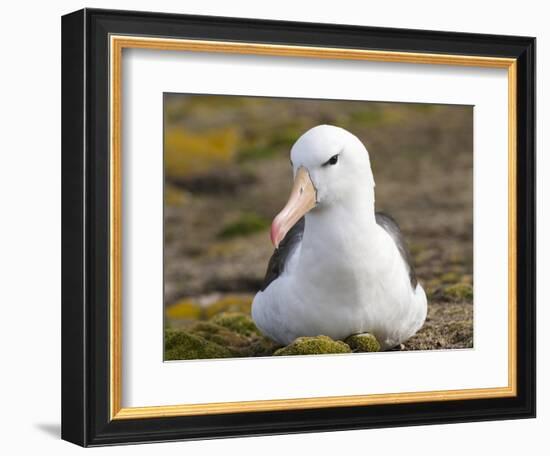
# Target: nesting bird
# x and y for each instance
(339, 268)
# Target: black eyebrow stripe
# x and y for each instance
(327, 162)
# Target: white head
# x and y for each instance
(331, 167)
(336, 160)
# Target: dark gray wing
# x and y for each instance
(278, 260)
(392, 228)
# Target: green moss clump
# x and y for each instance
(219, 335)
(184, 345)
(260, 346)
(363, 343)
(318, 345)
(225, 335)
(237, 322)
(247, 223)
(459, 292)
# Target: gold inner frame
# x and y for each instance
(117, 44)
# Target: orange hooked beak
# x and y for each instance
(303, 198)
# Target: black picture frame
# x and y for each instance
(85, 228)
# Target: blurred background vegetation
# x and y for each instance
(227, 173)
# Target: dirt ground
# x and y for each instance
(227, 174)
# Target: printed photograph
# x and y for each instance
(315, 227)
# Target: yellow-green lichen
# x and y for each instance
(318, 345)
(186, 309)
(363, 343)
(189, 153)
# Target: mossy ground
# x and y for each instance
(228, 173)
(185, 345)
(363, 343)
(236, 322)
(235, 335)
(319, 345)
(447, 326)
(225, 335)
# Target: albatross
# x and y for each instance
(339, 268)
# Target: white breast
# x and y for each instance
(339, 284)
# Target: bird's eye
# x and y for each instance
(332, 160)
(291, 164)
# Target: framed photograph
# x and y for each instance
(277, 227)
